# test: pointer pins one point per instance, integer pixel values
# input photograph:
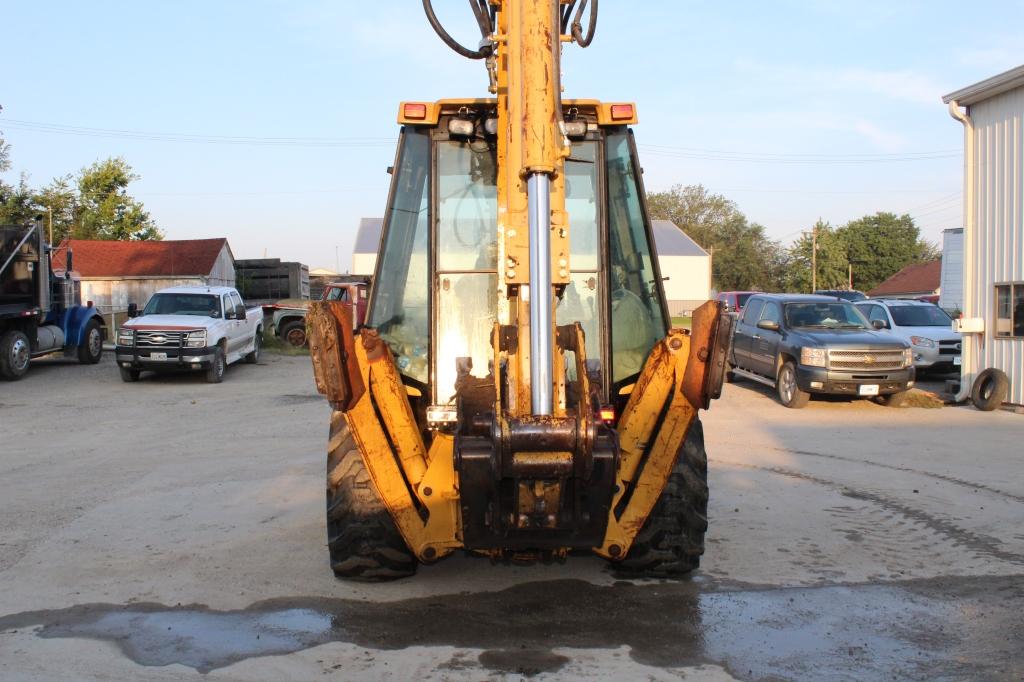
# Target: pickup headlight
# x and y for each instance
(922, 341)
(196, 339)
(125, 337)
(908, 357)
(813, 357)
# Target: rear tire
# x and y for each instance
(294, 334)
(129, 375)
(91, 349)
(15, 354)
(788, 391)
(363, 540)
(215, 374)
(672, 540)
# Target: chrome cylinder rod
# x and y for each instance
(538, 192)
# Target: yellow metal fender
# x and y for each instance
(419, 488)
(651, 431)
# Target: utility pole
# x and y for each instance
(814, 258)
(849, 284)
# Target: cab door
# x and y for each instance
(765, 342)
(746, 329)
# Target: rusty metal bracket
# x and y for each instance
(710, 340)
(332, 350)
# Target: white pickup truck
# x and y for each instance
(189, 328)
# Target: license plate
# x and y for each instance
(868, 389)
(956, 360)
(158, 356)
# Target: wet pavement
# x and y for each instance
(847, 541)
(951, 628)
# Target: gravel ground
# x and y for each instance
(173, 529)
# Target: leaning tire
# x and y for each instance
(257, 342)
(215, 374)
(787, 389)
(15, 354)
(294, 334)
(672, 540)
(91, 349)
(363, 540)
(990, 389)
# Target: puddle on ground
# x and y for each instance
(945, 628)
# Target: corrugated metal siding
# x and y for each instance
(998, 254)
(689, 277)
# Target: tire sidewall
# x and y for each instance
(990, 389)
(93, 343)
(216, 372)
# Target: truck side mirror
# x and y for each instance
(770, 325)
(239, 312)
(133, 310)
(879, 324)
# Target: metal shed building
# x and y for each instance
(685, 266)
(992, 113)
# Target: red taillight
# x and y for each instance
(414, 110)
(622, 112)
(607, 414)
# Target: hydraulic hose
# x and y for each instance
(482, 53)
(577, 27)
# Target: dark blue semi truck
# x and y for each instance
(40, 312)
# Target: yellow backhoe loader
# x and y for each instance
(516, 390)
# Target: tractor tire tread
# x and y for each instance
(671, 541)
(363, 540)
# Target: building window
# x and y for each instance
(1009, 310)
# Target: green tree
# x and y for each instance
(832, 260)
(744, 257)
(882, 244)
(106, 210)
(15, 200)
(59, 202)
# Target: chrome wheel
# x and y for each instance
(95, 342)
(786, 384)
(21, 353)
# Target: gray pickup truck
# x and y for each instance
(801, 345)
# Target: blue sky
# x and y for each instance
(794, 110)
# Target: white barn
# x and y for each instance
(364, 255)
(992, 113)
(685, 268)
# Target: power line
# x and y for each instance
(82, 131)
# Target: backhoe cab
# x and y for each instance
(516, 390)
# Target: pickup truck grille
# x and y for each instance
(865, 359)
(158, 339)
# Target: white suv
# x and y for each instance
(925, 326)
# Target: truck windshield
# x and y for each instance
(920, 316)
(204, 305)
(832, 315)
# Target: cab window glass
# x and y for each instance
(771, 312)
(752, 311)
(636, 309)
(399, 310)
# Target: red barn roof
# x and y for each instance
(177, 258)
(917, 278)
